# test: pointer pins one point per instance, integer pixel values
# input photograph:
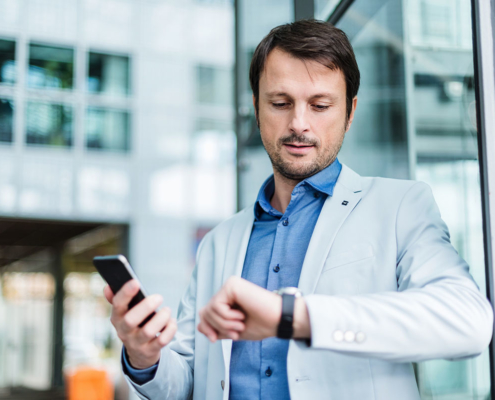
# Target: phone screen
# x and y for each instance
(117, 271)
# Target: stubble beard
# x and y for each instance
(300, 172)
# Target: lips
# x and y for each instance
(297, 148)
(299, 145)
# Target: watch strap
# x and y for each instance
(285, 329)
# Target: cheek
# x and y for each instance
(272, 125)
(330, 126)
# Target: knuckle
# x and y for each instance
(166, 312)
(147, 332)
(163, 340)
(232, 280)
(127, 321)
(216, 307)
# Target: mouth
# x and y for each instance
(298, 148)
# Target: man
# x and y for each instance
(379, 284)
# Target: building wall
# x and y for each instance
(173, 180)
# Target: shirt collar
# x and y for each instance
(323, 182)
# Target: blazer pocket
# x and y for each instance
(351, 272)
(354, 254)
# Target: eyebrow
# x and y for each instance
(329, 96)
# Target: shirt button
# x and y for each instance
(349, 336)
(268, 372)
(285, 222)
(338, 336)
(360, 337)
(276, 268)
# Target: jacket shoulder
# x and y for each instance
(352, 181)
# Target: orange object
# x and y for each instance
(86, 383)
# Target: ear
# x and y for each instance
(353, 110)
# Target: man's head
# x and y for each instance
(305, 79)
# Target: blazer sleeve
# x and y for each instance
(174, 375)
(437, 311)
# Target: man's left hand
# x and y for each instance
(242, 310)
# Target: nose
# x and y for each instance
(299, 122)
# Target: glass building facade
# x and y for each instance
(415, 119)
(116, 136)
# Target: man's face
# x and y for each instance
(302, 114)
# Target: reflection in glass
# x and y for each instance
(324, 8)
(49, 124)
(214, 85)
(377, 144)
(50, 67)
(6, 118)
(107, 129)
(444, 140)
(108, 74)
(7, 61)
(416, 119)
(257, 18)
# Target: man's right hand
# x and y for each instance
(143, 345)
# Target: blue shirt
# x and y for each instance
(274, 259)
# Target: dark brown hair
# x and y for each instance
(309, 40)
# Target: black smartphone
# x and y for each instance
(116, 271)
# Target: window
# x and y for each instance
(7, 61)
(107, 129)
(214, 143)
(49, 124)
(214, 85)
(6, 118)
(50, 67)
(436, 21)
(108, 74)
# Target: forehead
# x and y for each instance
(286, 73)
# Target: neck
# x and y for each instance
(283, 191)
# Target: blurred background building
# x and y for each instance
(127, 127)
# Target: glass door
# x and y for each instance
(416, 119)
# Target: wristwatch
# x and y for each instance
(285, 329)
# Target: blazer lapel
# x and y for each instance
(237, 244)
(234, 261)
(346, 195)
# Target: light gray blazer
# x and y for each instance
(384, 288)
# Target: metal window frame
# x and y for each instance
(483, 23)
(304, 9)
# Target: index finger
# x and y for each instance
(107, 292)
(123, 297)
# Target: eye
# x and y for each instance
(280, 105)
(320, 107)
